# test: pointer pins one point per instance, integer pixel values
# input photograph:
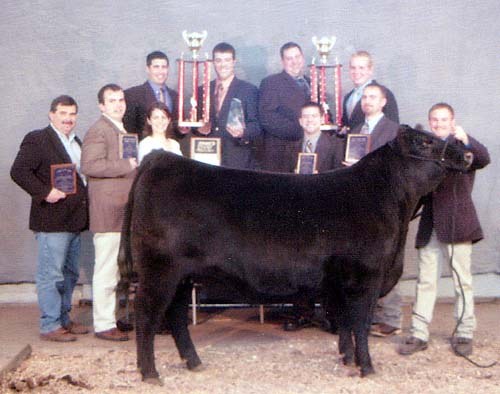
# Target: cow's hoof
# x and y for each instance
(367, 371)
(154, 381)
(195, 367)
(348, 359)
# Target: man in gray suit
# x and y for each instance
(110, 178)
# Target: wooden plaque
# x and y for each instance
(306, 163)
(358, 145)
(63, 177)
(206, 149)
(128, 146)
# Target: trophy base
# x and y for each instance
(190, 124)
(329, 127)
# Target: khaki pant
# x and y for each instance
(430, 260)
(105, 279)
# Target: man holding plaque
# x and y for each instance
(327, 149)
(110, 179)
(380, 130)
(281, 98)
(49, 157)
(361, 74)
(139, 98)
(233, 111)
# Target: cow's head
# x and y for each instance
(423, 145)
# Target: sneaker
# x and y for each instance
(461, 346)
(411, 345)
(384, 330)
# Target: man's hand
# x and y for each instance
(55, 195)
(236, 132)
(184, 130)
(205, 129)
(133, 162)
(459, 133)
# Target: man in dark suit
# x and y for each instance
(448, 227)
(361, 74)
(281, 98)
(387, 318)
(226, 91)
(329, 149)
(139, 98)
(56, 217)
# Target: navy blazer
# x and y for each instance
(31, 171)
(139, 98)
(236, 152)
(358, 117)
(450, 212)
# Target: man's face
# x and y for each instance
(310, 120)
(372, 101)
(114, 104)
(293, 62)
(64, 118)
(224, 65)
(441, 122)
(360, 70)
(158, 71)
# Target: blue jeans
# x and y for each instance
(56, 277)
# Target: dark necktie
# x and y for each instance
(309, 147)
(303, 85)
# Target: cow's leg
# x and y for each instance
(362, 308)
(177, 315)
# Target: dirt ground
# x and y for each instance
(242, 356)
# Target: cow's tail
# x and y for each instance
(125, 262)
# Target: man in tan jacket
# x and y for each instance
(109, 180)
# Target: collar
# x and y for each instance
(157, 87)
(69, 137)
(224, 83)
(372, 122)
(119, 125)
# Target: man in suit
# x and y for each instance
(361, 74)
(110, 179)
(387, 318)
(56, 217)
(448, 227)
(281, 98)
(328, 148)
(139, 98)
(237, 137)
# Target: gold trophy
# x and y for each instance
(196, 117)
(319, 82)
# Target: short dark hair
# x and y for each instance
(63, 100)
(289, 45)
(225, 48)
(156, 55)
(314, 105)
(442, 105)
(110, 86)
(148, 130)
(382, 89)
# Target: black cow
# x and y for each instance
(276, 237)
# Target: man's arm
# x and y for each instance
(98, 162)
(391, 107)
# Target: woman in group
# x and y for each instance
(157, 131)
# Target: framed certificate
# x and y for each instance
(207, 150)
(358, 145)
(63, 177)
(306, 163)
(128, 145)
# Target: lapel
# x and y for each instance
(322, 148)
(57, 145)
(231, 91)
(149, 95)
(289, 85)
(378, 134)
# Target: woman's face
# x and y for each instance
(158, 121)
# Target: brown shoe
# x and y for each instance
(461, 346)
(411, 345)
(113, 334)
(59, 335)
(76, 328)
(384, 330)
